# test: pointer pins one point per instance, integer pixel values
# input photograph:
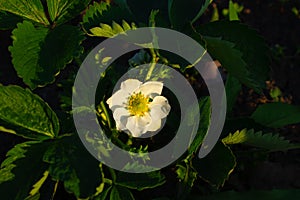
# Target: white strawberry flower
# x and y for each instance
(139, 107)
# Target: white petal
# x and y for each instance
(138, 125)
(130, 85)
(151, 88)
(118, 98)
(121, 115)
(159, 108)
(154, 125)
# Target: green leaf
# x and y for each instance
(106, 30)
(61, 11)
(250, 195)
(38, 58)
(22, 168)
(72, 164)
(205, 112)
(216, 167)
(105, 13)
(276, 115)
(27, 114)
(252, 47)
(9, 20)
(38, 185)
(32, 10)
(230, 58)
(257, 139)
(120, 193)
(104, 194)
(187, 176)
(232, 88)
(182, 12)
(140, 181)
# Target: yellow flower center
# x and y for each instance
(138, 104)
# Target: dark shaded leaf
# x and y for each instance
(216, 167)
(276, 115)
(22, 169)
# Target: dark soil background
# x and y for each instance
(280, 26)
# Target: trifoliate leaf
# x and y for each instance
(216, 167)
(106, 30)
(39, 54)
(22, 169)
(26, 114)
(269, 141)
(277, 114)
(32, 10)
(61, 11)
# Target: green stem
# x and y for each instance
(103, 107)
(113, 174)
(153, 63)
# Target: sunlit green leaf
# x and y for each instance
(38, 58)
(32, 10)
(276, 114)
(106, 30)
(61, 11)
(257, 139)
(26, 114)
(216, 167)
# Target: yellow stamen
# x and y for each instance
(138, 104)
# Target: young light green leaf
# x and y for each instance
(26, 114)
(140, 181)
(252, 47)
(232, 12)
(216, 167)
(32, 10)
(22, 168)
(66, 157)
(38, 185)
(106, 30)
(182, 13)
(61, 11)
(269, 141)
(9, 20)
(120, 193)
(38, 58)
(277, 114)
